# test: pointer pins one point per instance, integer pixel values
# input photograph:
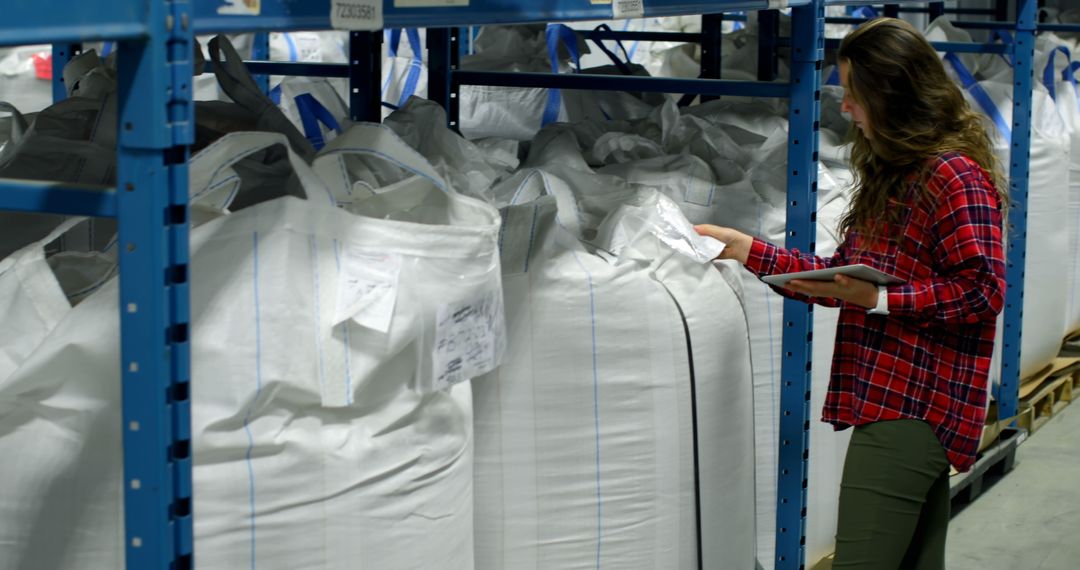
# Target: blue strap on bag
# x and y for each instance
(967, 80)
(1048, 72)
(1070, 75)
(415, 66)
(312, 112)
(834, 77)
(556, 34)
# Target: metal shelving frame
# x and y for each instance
(155, 41)
(150, 201)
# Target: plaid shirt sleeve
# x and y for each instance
(768, 259)
(969, 284)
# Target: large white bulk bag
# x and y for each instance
(38, 292)
(1047, 209)
(585, 449)
(319, 442)
(1058, 75)
(472, 167)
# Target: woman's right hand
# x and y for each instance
(737, 243)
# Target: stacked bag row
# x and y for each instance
(341, 302)
(1053, 205)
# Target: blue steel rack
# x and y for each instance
(155, 42)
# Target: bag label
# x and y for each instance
(367, 288)
(622, 9)
(356, 14)
(470, 339)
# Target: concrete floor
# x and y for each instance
(1030, 519)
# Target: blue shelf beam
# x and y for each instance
(50, 197)
(807, 28)
(957, 47)
(1059, 27)
(684, 37)
(713, 87)
(1007, 394)
(284, 15)
(302, 69)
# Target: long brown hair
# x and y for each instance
(916, 113)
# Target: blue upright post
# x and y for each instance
(365, 69)
(768, 31)
(156, 118)
(443, 57)
(1019, 168)
(935, 10)
(260, 51)
(710, 48)
(807, 30)
(61, 55)
(1001, 10)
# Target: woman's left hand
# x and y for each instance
(856, 291)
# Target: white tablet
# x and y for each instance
(858, 271)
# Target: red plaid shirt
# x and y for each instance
(929, 358)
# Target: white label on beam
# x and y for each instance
(623, 9)
(358, 15)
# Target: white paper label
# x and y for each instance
(429, 3)
(356, 14)
(367, 288)
(240, 7)
(623, 9)
(470, 338)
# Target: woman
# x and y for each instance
(910, 366)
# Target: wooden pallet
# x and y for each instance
(1051, 397)
(992, 464)
(1071, 345)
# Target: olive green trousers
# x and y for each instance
(894, 499)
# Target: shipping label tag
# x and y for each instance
(623, 9)
(470, 339)
(357, 15)
(367, 288)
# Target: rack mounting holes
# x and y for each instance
(136, 542)
(136, 484)
(132, 308)
(133, 367)
(134, 426)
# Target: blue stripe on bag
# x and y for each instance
(558, 33)
(312, 112)
(981, 96)
(258, 392)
